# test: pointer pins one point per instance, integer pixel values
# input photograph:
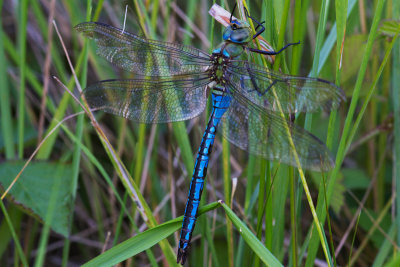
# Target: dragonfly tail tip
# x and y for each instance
(181, 258)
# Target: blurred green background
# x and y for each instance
(75, 199)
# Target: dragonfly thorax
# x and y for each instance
(219, 63)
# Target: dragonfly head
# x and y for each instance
(238, 32)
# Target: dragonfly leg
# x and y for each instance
(233, 10)
(255, 86)
(262, 22)
(269, 87)
(271, 52)
(259, 24)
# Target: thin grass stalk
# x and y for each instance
(31, 77)
(65, 252)
(321, 27)
(384, 110)
(76, 158)
(354, 237)
(281, 38)
(23, 17)
(329, 223)
(203, 220)
(318, 46)
(262, 208)
(341, 21)
(209, 238)
(280, 183)
(396, 111)
(308, 121)
(120, 219)
(96, 13)
(102, 171)
(126, 179)
(190, 13)
(96, 205)
(371, 91)
(45, 233)
(20, 253)
(139, 153)
(386, 247)
(5, 107)
(276, 14)
(255, 244)
(320, 37)
(241, 250)
(140, 145)
(74, 180)
(155, 14)
(227, 197)
(342, 145)
(42, 22)
(268, 208)
(262, 213)
(261, 200)
(46, 69)
(281, 34)
(93, 160)
(295, 155)
(296, 50)
(58, 114)
(179, 128)
(371, 230)
(293, 220)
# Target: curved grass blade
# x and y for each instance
(142, 241)
(262, 252)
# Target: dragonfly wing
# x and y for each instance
(264, 133)
(142, 56)
(154, 100)
(295, 94)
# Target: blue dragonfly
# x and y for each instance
(248, 100)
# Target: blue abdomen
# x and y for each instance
(220, 104)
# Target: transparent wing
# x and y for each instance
(142, 56)
(264, 133)
(295, 94)
(152, 100)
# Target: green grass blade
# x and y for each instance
(23, 17)
(331, 39)
(321, 211)
(5, 107)
(396, 112)
(227, 196)
(371, 91)
(20, 252)
(252, 241)
(394, 262)
(386, 247)
(142, 241)
(136, 244)
(50, 216)
(296, 54)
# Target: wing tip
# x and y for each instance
(339, 93)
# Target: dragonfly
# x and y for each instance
(249, 101)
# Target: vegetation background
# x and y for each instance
(91, 188)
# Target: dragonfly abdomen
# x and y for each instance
(220, 104)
